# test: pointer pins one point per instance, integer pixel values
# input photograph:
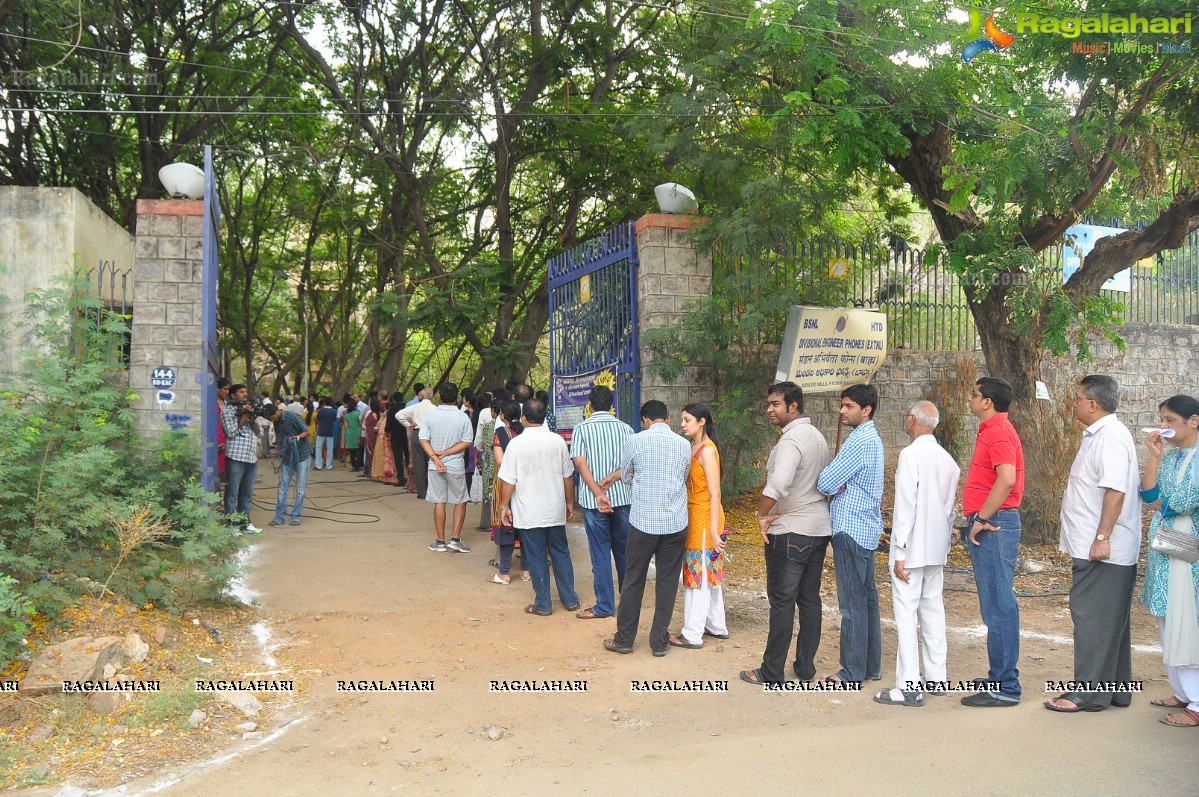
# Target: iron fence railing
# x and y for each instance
(925, 306)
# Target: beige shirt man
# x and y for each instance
(791, 473)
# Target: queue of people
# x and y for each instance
(654, 496)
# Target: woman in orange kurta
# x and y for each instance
(703, 557)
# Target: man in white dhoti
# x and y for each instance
(926, 484)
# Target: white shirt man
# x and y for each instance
(537, 497)
(1101, 530)
(926, 485)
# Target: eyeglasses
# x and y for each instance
(975, 394)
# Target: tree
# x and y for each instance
(1005, 152)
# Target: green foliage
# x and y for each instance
(70, 460)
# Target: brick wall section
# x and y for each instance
(671, 275)
(166, 318)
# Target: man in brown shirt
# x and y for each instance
(794, 522)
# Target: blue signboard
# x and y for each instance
(162, 376)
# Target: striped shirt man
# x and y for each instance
(655, 462)
(601, 441)
(858, 468)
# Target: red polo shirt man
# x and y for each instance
(991, 499)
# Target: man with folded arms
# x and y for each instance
(1101, 530)
(926, 488)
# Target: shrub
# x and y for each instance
(71, 461)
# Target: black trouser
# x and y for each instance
(398, 436)
(794, 563)
(356, 455)
(667, 552)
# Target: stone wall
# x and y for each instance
(1159, 362)
(44, 233)
(670, 276)
(166, 326)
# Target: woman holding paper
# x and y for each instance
(1172, 582)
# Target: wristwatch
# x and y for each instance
(1102, 538)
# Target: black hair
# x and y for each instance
(600, 398)
(326, 401)
(222, 382)
(998, 390)
(511, 412)
(448, 392)
(534, 411)
(541, 395)
(417, 388)
(498, 396)
(700, 412)
(1182, 405)
(654, 410)
(791, 393)
(235, 388)
(864, 396)
(375, 405)
(522, 392)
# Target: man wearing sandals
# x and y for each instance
(793, 520)
(537, 497)
(1101, 530)
(926, 489)
(597, 445)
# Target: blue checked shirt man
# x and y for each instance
(854, 479)
(597, 446)
(655, 463)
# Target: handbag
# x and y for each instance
(1175, 537)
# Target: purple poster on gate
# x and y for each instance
(571, 393)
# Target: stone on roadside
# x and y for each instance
(197, 718)
(105, 702)
(495, 733)
(244, 702)
(246, 727)
(79, 659)
(252, 735)
(134, 649)
(110, 671)
(41, 733)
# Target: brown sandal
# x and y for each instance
(1183, 719)
(1168, 702)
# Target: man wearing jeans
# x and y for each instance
(794, 522)
(596, 446)
(537, 497)
(240, 424)
(655, 463)
(854, 479)
(295, 454)
(991, 501)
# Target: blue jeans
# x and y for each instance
(534, 543)
(327, 444)
(857, 597)
(285, 475)
(239, 494)
(994, 571)
(607, 537)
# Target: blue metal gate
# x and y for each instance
(211, 353)
(593, 315)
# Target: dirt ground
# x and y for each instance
(354, 594)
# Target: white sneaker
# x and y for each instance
(252, 529)
(457, 545)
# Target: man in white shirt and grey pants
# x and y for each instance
(926, 487)
(1101, 530)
